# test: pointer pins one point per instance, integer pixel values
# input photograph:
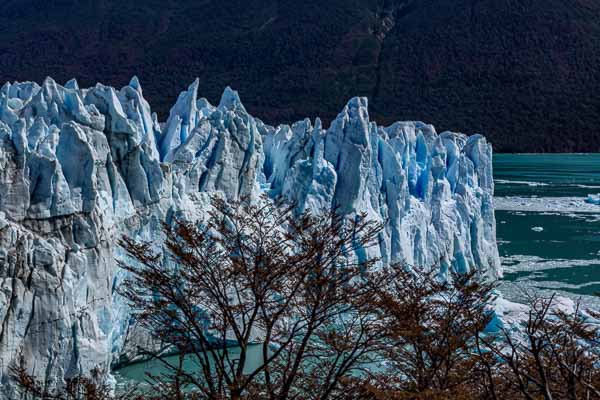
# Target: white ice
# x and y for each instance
(79, 167)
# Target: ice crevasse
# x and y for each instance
(81, 167)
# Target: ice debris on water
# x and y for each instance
(593, 199)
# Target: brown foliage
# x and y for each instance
(554, 356)
(330, 324)
(255, 273)
(432, 328)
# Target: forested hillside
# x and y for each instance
(526, 73)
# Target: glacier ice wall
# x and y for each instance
(80, 167)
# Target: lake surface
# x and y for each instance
(548, 237)
(138, 372)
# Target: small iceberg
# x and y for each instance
(593, 199)
(537, 229)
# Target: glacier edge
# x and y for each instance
(81, 166)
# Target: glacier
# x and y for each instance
(79, 167)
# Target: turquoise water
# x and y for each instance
(547, 175)
(556, 248)
(138, 372)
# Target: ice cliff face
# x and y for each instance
(80, 167)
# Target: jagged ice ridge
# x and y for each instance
(81, 167)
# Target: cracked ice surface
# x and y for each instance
(79, 167)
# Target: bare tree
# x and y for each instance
(432, 328)
(254, 273)
(328, 321)
(555, 355)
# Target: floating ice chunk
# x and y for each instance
(537, 229)
(528, 183)
(506, 314)
(593, 199)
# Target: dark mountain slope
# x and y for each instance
(524, 72)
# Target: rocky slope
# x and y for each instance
(81, 167)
